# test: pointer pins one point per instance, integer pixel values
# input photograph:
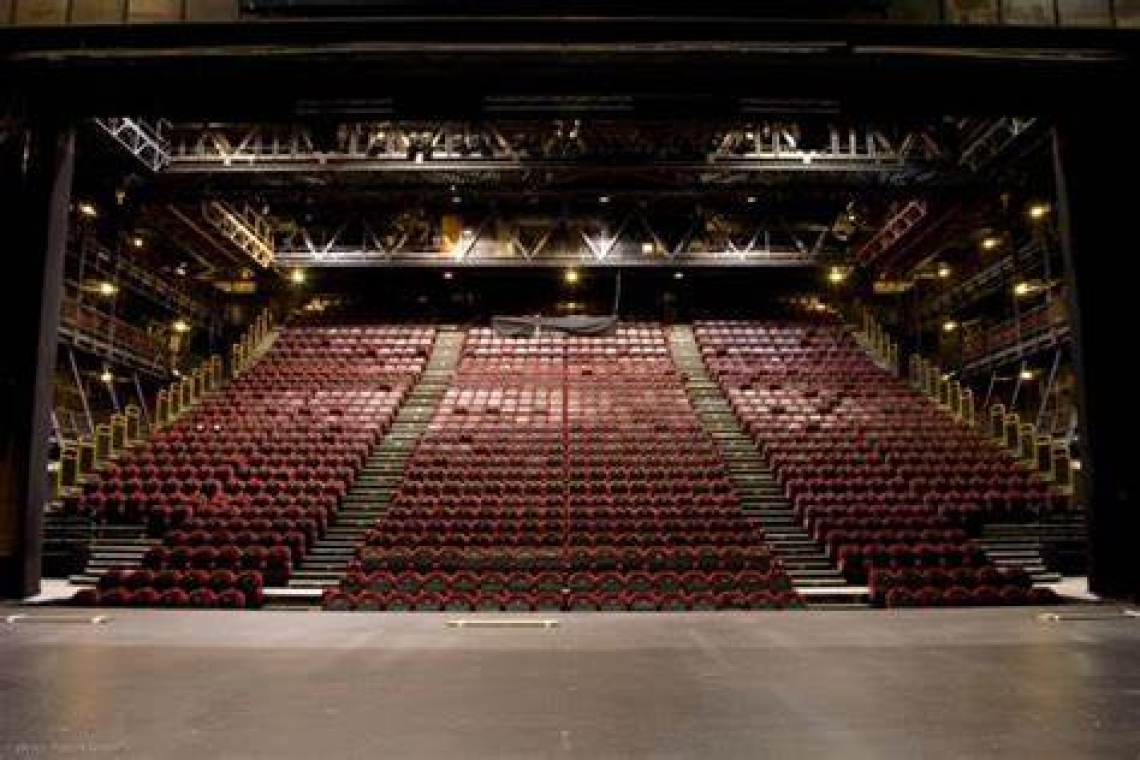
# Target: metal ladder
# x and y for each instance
(760, 495)
(368, 497)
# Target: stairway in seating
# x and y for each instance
(1045, 549)
(113, 546)
(377, 480)
(761, 496)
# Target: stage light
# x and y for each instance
(106, 377)
(88, 210)
(647, 249)
(1038, 210)
(1075, 464)
(180, 270)
(297, 276)
(1022, 289)
(943, 271)
(750, 199)
(1027, 374)
(603, 199)
(571, 277)
(990, 243)
(137, 242)
(181, 326)
(678, 275)
(448, 275)
(108, 289)
(949, 326)
(836, 275)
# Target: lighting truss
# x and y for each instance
(245, 228)
(629, 238)
(145, 140)
(431, 148)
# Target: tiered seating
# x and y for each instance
(880, 476)
(565, 473)
(241, 487)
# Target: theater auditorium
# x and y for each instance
(427, 378)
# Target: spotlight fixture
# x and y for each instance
(571, 277)
(949, 326)
(647, 248)
(448, 276)
(603, 199)
(138, 242)
(106, 377)
(180, 270)
(1038, 210)
(181, 326)
(678, 275)
(1027, 374)
(1074, 464)
(990, 242)
(297, 276)
(836, 275)
(1022, 289)
(108, 289)
(750, 199)
(943, 271)
(87, 209)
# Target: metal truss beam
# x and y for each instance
(424, 148)
(629, 239)
(989, 139)
(143, 139)
(245, 228)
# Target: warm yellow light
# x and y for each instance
(1022, 289)
(180, 326)
(1075, 464)
(571, 277)
(137, 242)
(943, 271)
(949, 326)
(1027, 374)
(297, 276)
(1038, 210)
(836, 275)
(88, 210)
(991, 243)
(107, 378)
(108, 288)
(647, 248)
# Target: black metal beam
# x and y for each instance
(41, 177)
(1095, 217)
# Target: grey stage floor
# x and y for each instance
(914, 684)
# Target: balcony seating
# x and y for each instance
(565, 473)
(247, 481)
(881, 477)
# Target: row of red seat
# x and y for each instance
(877, 474)
(285, 439)
(648, 601)
(559, 456)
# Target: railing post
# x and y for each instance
(85, 457)
(135, 432)
(1028, 440)
(1012, 432)
(68, 467)
(119, 438)
(997, 422)
(103, 446)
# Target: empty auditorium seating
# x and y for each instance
(881, 477)
(565, 472)
(240, 488)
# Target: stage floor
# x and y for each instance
(907, 684)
